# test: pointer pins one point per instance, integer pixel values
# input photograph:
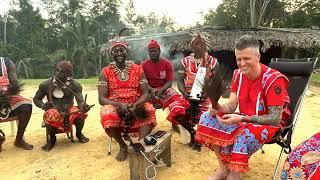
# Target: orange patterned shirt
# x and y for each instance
(123, 91)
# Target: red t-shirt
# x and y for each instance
(250, 89)
(158, 73)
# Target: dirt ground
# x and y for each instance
(90, 161)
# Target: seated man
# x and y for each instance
(122, 89)
(60, 113)
(188, 69)
(12, 104)
(159, 73)
(261, 95)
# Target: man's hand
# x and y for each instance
(231, 118)
(124, 108)
(85, 108)
(46, 106)
(159, 93)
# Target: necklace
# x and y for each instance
(57, 92)
(123, 75)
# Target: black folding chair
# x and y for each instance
(298, 72)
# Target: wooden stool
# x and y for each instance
(138, 163)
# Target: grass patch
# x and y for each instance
(88, 82)
(315, 79)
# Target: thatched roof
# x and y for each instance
(224, 38)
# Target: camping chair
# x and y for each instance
(298, 72)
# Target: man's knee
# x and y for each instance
(22, 109)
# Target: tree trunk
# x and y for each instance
(253, 14)
(85, 73)
(262, 11)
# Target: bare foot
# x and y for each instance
(23, 145)
(48, 146)
(122, 155)
(219, 174)
(82, 138)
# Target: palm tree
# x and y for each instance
(24, 68)
(84, 43)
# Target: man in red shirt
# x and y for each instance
(159, 73)
(261, 95)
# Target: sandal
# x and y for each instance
(2, 139)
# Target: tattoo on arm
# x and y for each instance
(273, 118)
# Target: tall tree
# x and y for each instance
(235, 13)
(303, 13)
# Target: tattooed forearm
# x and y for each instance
(273, 118)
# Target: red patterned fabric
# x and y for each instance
(55, 119)
(15, 100)
(158, 74)
(110, 118)
(191, 66)
(118, 43)
(125, 92)
(240, 141)
(4, 80)
(304, 161)
(263, 87)
(128, 91)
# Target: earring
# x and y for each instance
(68, 81)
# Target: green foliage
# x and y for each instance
(150, 24)
(236, 13)
(303, 13)
(76, 30)
(84, 82)
(315, 79)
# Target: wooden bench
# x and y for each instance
(138, 163)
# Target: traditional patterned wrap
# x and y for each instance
(55, 119)
(191, 66)
(240, 141)
(176, 103)
(4, 80)
(16, 100)
(304, 161)
(125, 92)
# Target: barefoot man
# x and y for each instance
(17, 105)
(60, 113)
(122, 88)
